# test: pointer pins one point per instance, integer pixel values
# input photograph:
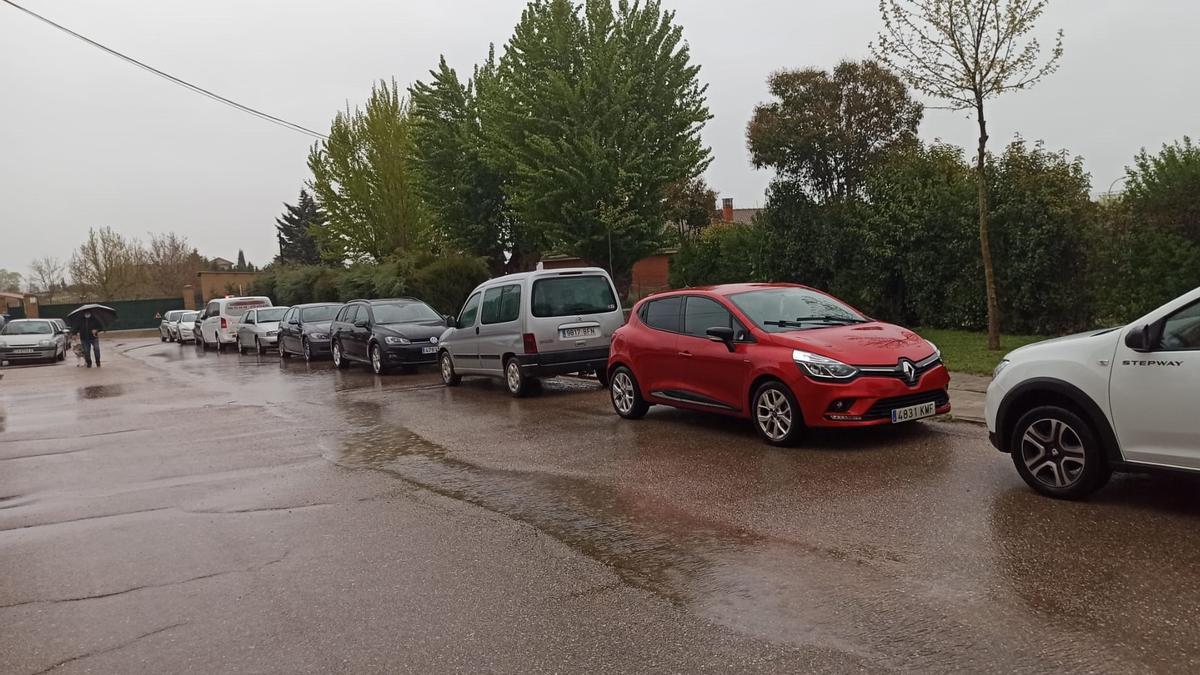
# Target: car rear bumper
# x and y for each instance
(549, 364)
(268, 340)
(868, 401)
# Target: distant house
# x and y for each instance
(222, 265)
(739, 216)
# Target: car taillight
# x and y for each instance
(223, 324)
(530, 343)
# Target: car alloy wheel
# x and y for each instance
(241, 349)
(626, 398)
(449, 377)
(1057, 454)
(515, 380)
(377, 360)
(339, 360)
(307, 349)
(283, 353)
(776, 416)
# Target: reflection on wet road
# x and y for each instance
(914, 547)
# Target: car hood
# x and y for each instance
(321, 327)
(1066, 342)
(865, 344)
(413, 331)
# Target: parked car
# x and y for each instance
(258, 329)
(31, 340)
(66, 332)
(400, 332)
(1073, 410)
(526, 326)
(184, 327)
(164, 326)
(786, 357)
(304, 330)
(220, 316)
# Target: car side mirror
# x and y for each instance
(721, 334)
(451, 322)
(1140, 339)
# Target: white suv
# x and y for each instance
(1071, 411)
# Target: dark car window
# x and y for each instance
(270, 314)
(213, 309)
(664, 314)
(470, 310)
(501, 304)
(566, 295)
(1182, 329)
(700, 314)
(248, 317)
(291, 316)
(352, 314)
(318, 314)
(403, 312)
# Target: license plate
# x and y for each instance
(23, 351)
(576, 333)
(914, 412)
(428, 350)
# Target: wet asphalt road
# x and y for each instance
(188, 511)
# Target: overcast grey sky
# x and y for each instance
(88, 140)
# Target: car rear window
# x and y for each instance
(188, 317)
(271, 314)
(566, 295)
(318, 314)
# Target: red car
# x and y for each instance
(787, 357)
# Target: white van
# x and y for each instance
(534, 324)
(218, 323)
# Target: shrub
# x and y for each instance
(358, 281)
(719, 254)
(445, 282)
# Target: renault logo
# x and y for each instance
(908, 370)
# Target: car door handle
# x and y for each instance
(687, 354)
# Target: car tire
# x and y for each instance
(62, 356)
(258, 347)
(306, 349)
(241, 348)
(283, 353)
(625, 394)
(776, 415)
(339, 357)
(446, 364)
(377, 365)
(161, 337)
(515, 381)
(1057, 453)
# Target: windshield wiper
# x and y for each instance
(783, 323)
(829, 319)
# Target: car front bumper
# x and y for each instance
(409, 355)
(867, 400)
(9, 354)
(549, 364)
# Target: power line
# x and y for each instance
(187, 85)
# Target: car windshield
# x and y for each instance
(313, 314)
(27, 328)
(562, 296)
(776, 310)
(188, 317)
(410, 312)
(272, 314)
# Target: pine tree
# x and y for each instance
(294, 230)
(241, 261)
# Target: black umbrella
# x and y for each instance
(102, 313)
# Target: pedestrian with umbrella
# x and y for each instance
(88, 321)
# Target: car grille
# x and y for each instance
(894, 372)
(884, 406)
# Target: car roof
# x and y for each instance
(31, 320)
(374, 301)
(310, 304)
(732, 289)
(541, 274)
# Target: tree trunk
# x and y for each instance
(985, 246)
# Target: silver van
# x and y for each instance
(525, 326)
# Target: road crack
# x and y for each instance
(111, 649)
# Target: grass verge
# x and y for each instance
(967, 352)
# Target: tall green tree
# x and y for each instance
(827, 129)
(294, 229)
(965, 52)
(464, 191)
(241, 261)
(597, 112)
(1162, 189)
(365, 178)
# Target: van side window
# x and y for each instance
(664, 314)
(214, 309)
(501, 304)
(470, 310)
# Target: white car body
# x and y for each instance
(183, 327)
(15, 345)
(1142, 401)
(221, 316)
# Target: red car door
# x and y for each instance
(711, 375)
(653, 345)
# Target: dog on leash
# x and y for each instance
(77, 350)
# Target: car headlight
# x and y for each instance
(823, 367)
(44, 343)
(393, 340)
(936, 352)
(999, 367)
(319, 336)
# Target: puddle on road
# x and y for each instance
(101, 391)
(649, 545)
